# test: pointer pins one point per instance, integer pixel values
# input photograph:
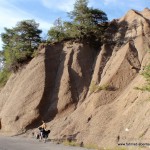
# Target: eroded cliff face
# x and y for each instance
(57, 86)
(51, 85)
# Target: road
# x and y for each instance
(20, 143)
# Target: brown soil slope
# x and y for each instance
(83, 93)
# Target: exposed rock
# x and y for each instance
(55, 86)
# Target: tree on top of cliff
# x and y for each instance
(20, 42)
(83, 15)
(58, 31)
(86, 23)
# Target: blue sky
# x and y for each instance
(45, 12)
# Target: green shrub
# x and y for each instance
(138, 88)
(146, 74)
(103, 87)
(86, 24)
(96, 88)
(4, 75)
(20, 42)
(93, 87)
(35, 53)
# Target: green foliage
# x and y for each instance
(35, 54)
(88, 21)
(80, 14)
(20, 42)
(4, 75)
(93, 87)
(96, 88)
(86, 24)
(146, 74)
(1, 60)
(139, 88)
(57, 33)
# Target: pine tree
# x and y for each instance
(88, 21)
(57, 32)
(86, 24)
(20, 42)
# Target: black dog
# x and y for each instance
(43, 134)
(46, 133)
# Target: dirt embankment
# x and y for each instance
(83, 93)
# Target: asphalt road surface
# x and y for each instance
(20, 143)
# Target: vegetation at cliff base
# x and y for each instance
(4, 75)
(146, 74)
